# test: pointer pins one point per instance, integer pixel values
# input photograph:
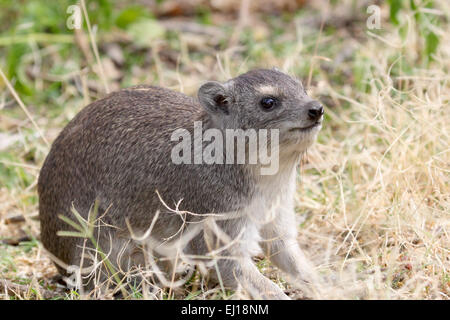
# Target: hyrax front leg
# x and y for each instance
(243, 272)
(281, 247)
(232, 244)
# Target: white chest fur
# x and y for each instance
(274, 196)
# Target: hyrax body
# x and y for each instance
(118, 151)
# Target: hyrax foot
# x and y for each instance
(244, 274)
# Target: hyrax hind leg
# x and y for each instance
(281, 247)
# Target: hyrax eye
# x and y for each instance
(268, 103)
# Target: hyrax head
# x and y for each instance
(263, 99)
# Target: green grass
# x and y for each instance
(373, 196)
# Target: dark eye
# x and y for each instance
(268, 103)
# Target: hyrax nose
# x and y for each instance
(315, 110)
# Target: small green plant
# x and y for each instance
(85, 229)
(424, 22)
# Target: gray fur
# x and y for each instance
(117, 150)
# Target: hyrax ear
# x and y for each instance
(214, 97)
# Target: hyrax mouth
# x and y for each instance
(305, 129)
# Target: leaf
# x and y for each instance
(130, 15)
(70, 234)
(431, 44)
(92, 216)
(145, 31)
(414, 8)
(395, 6)
(403, 31)
(71, 223)
(82, 222)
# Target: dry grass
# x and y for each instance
(373, 193)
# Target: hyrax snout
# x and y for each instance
(205, 181)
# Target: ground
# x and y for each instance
(373, 197)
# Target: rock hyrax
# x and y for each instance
(118, 152)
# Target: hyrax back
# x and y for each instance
(117, 151)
